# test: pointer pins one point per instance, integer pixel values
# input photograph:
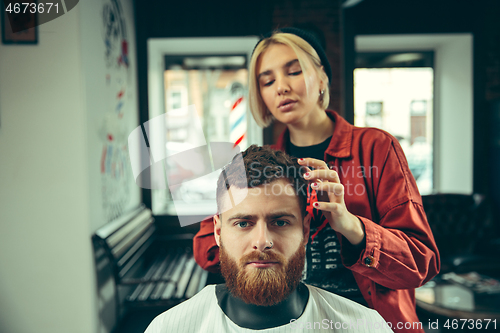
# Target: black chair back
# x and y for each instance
(458, 221)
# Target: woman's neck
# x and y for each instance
(312, 130)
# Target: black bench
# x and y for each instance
(146, 269)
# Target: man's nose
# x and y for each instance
(262, 238)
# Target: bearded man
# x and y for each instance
(262, 228)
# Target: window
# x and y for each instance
(395, 92)
(452, 107)
(218, 92)
(203, 83)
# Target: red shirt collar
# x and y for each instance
(340, 145)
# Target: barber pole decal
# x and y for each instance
(238, 123)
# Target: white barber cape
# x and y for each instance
(324, 312)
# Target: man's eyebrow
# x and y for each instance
(278, 215)
(288, 64)
(271, 216)
(241, 217)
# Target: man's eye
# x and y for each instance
(242, 224)
(281, 223)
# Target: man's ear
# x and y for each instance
(306, 227)
(217, 225)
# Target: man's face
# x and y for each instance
(256, 271)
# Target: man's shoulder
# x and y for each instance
(346, 313)
(185, 315)
(322, 295)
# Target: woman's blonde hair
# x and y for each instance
(259, 110)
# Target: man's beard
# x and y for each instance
(262, 286)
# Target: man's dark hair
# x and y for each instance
(263, 165)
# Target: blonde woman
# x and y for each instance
(370, 240)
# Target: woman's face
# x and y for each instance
(282, 85)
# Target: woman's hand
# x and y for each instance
(330, 192)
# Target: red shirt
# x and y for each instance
(400, 253)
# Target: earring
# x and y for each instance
(321, 94)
